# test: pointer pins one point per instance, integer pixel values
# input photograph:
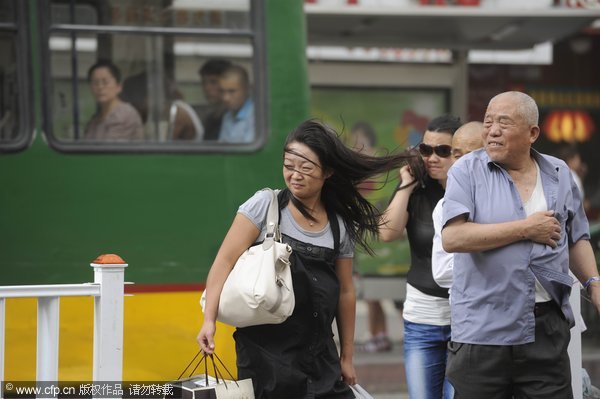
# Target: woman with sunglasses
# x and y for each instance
(426, 308)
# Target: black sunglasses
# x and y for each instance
(442, 150)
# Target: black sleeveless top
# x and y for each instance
(420, 231)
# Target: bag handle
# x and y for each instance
(189, 364)
(216, 370)
(273, 216)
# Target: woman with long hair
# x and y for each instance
(323, 216)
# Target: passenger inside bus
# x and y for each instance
(211, 113)
(163, 110)
(114, 120)
(238, 121)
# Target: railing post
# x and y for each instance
(574, 348)
(47, 339)
(109, 273)
(2, 326)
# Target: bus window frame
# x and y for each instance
(257, 37)
(24, 79)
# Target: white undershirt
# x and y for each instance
(537, 203)
(425, 309)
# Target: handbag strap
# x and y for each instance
(190, 363)
(225, 367)
(202, 359)
(335, 232)
(216, 370)
(272, 226)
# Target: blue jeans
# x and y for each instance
(425, 353)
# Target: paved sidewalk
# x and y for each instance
(381, 374)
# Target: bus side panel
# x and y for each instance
(164, 214)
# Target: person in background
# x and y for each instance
(212, 112)
(426, 308)
(114, 119)
(571, 156)
(238, 122)
(468, 138)
(182, 121)
(322, 217)
(363, 139)
(514, 220)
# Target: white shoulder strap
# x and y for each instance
(273, 216)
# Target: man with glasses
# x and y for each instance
(515, 222)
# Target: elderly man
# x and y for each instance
(515, 221)
(238, 121)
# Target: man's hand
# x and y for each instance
(543, 228)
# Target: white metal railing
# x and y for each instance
(107, 290)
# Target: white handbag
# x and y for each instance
(259, 288)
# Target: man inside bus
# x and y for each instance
(238, 121)
(212, 112)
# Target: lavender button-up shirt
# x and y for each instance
(493, 293)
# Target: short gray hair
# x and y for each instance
(526, 106)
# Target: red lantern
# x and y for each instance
(568, 125)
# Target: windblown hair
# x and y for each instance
(340, 194)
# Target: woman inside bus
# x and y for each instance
(114, 119)
(426, 308)
(322, 216)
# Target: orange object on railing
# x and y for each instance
(109, 259)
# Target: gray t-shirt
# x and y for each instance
(256, 208)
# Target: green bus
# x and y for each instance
(163, 204)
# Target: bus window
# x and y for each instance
(15, 126)
(154, 78)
